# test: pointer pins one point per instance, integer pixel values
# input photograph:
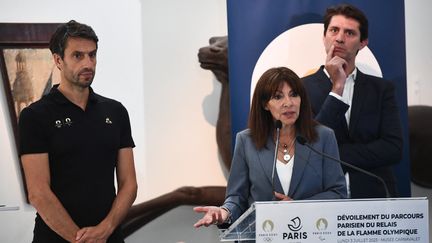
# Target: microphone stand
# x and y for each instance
(278, 125)
(303, 141)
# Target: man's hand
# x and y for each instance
(337, 69)
(96, 234)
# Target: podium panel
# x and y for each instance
(242, 229)
(339, 221)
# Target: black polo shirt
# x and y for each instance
(82, 148)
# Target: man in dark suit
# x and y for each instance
(360, 108)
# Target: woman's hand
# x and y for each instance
(212, 215)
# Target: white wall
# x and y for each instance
(181, 99)
(419, 51)
(147, 60)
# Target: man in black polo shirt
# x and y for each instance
(72, 141)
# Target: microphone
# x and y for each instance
(278, 125)
(301, 140)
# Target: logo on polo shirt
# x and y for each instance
(58, 124)
(108, 120)
(67, 122)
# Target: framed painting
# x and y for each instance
(26, 65)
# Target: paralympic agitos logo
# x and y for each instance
(295, 226)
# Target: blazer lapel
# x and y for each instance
(266, 158)
(300, 161)
(360, 91)
(324, 83)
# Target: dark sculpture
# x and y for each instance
(143, 213)
(213, 57)
(420, 136)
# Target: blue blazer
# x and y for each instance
(313, 177)
(373, 139)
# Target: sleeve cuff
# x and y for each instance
(336, 96)
(229, 218)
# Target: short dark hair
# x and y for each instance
(261, 121)
(351, 12)
(70, 29)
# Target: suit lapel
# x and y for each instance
(266, 158)
(300, 161)
(360, 91)
(325, 86)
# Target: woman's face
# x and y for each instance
(284, 105)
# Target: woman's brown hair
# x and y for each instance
(261, 121)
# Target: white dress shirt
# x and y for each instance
(348, 92)
(285, 173)
(346, 97)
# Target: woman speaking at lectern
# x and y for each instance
(299, 173)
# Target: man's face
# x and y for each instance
(78, 65)
(344, 34)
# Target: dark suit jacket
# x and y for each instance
(313, 177)
(373, 140)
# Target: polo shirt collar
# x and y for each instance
(60, 98)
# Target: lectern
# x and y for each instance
(337, 221)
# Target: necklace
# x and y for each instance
(286, 156)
